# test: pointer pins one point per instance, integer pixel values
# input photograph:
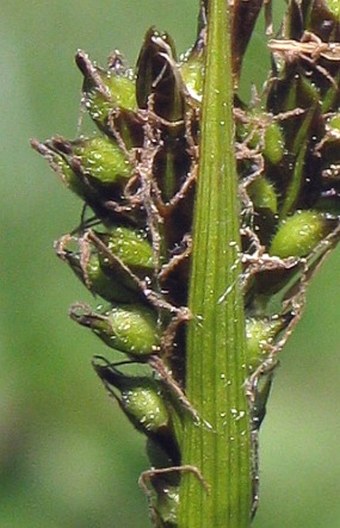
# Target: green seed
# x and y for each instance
(132, 329)
(108, 286)
(121, 94)
(146, 407)
(103, 160)
(87, 166)
(298, 235)
(96, 270)
(260, 334)
(133, 249)
(263, 194)
(105, 90)
(273, 144)
(139, 396)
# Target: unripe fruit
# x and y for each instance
(90, 167)
(139, 396)
(132, 248)
(132, 329)
(105, 90)
(298, 235)
(263, 195)
(273, 143)
(95, 269)
(261, 335)
(103, 160)
(146, 406)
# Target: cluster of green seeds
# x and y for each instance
(137, 176)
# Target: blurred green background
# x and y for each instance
(68, 459)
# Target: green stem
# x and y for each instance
(220, 446)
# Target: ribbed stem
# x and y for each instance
(220, 446)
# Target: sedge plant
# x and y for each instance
(204, 219)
